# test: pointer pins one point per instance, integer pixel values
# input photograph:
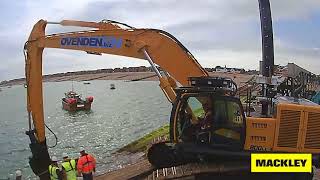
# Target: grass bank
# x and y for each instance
(142, 144)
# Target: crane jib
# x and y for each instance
(97, 41)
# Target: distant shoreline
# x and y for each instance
(129, 76)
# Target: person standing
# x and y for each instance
(86, 165)
(69, 167)
(54, 171)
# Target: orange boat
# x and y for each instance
(73, 102)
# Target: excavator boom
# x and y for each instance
(156, 46)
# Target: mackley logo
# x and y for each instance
(95, 41)
(281, 162)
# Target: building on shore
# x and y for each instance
(226, 69)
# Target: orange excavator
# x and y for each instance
(292, 126)
(156, 46)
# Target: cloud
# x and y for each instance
(217, 32)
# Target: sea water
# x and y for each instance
(117, 118)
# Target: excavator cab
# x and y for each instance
(208, 114)
(206, 120)
(209, 119)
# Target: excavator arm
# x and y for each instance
(154, 45)
(157, 46)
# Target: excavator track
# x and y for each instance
(223, 171)
(144, 170)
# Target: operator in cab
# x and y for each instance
(86, 165)
(69, 168)
(205, 124)
(197, 129)
(207, 121)
(54, 171)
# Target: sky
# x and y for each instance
(216, 32)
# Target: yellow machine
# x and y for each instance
(293, 127)
(156, 46)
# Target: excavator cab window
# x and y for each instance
(196, 107)
(210, 120)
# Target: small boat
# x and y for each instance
(86, 83)
(73, 102)
(112, 86)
